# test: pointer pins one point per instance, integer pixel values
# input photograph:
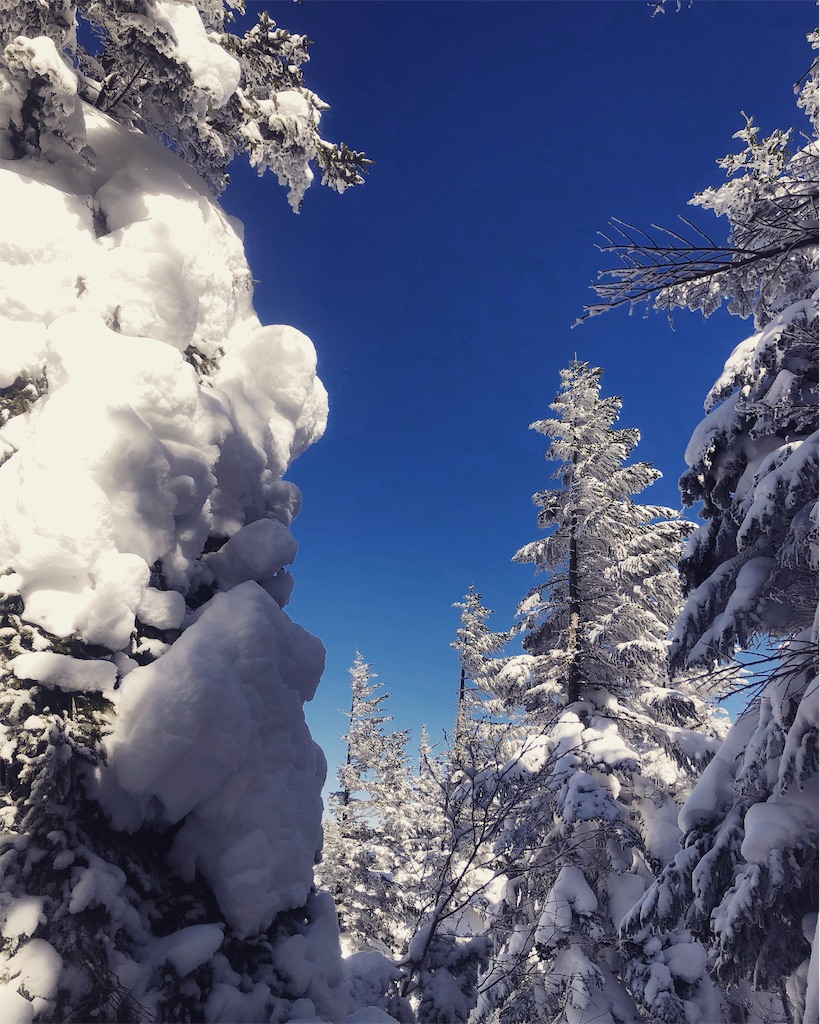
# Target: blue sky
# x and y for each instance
(440, 294)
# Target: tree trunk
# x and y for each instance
(459, 737)
(574, 638)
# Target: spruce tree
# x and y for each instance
(140, 649)
(747, 875)
(617, 744)
(365, 833)
(477, 647)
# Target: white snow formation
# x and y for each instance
(163, 413)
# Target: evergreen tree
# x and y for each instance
(118, 905)
(172, 70)
(477, 648)
(616, 744)
(600, 619)
(747, 874)
(425, 831)
(365, 835)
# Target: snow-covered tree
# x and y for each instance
(367, 831)
(161, 808)
(616, 746)
(600, 618)
(748, 871)
(172, 69)
(477, 647)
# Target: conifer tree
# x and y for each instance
(109, 910)
(747, 875)
(477, 648)
(175, 71)
(618, 745)
(365, 834)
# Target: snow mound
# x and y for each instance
(213, 733)
(128, 275)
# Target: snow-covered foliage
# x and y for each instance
(751, 568)
(161, 808)
(170, 68)
(364, 836)
(601, 615)
(771, 203)
(478, 648)
(614, 747)
(747, 875)
(398, 869)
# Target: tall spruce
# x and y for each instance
(616, 745)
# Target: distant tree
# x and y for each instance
(747, 874)
(600, 618)
(394, 863)
(363, 834)
(478, 649)
(615, 745)
(172, 70)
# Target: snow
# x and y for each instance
(38, 965)
(717, 423)
(570, 894)
(96, 885)
(213, 70)
(624, 891)
(59, 670)
(14, 1008)
(778, 823)
(369, 1015)
(32, 60)
(603, 741)
(212, 733)
(163, 609)
(687, 961)
(188, 948)
(163, 416)
(131, 458)
(714, 791)
(259, 551)
(22, 917)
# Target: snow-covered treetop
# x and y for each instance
(172, 69)
(474, 641)
(771, 204)
(611, 591)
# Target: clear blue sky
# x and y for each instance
(440, 294)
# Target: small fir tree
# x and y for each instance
(364, 835)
